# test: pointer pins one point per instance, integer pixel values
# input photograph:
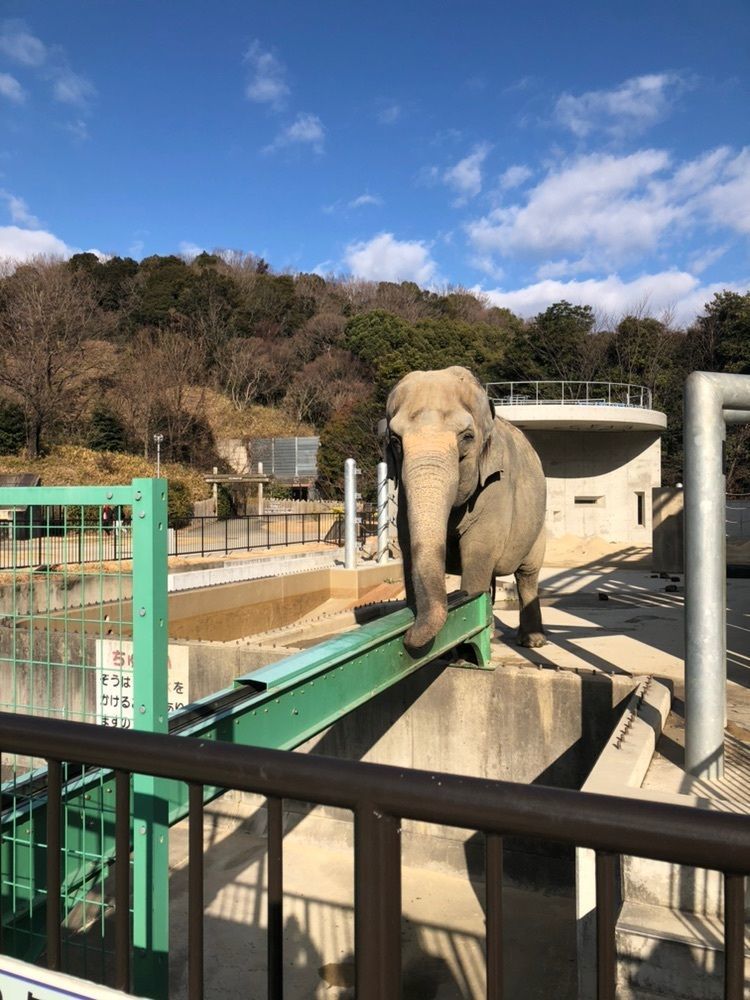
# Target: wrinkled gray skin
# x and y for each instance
(472, 496)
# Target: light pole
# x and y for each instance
(158, 438)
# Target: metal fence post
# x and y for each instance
(150, 804)
(382, 511)
(350, 514)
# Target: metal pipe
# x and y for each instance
(350, 514)
(382, 512)
(709, 397)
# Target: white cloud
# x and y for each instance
(11, 88)
(190, 250)
(78, 129)
(488, 266)
(466, 176)
(514, 177)
(306, 129)
(268, 83)
(365, 199)
(18, 244)
(390, 114)
(564, 268)
(702, 260)
(136, 248)
(728, 200)
(384, 258)
(72, 88)
(19, 210)
(595, 202)
(20, 45)
(668, 290)
(634, 106)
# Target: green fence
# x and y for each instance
(71, 632)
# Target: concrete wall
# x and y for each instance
(611, 466)
(512, 723)
(669, 525)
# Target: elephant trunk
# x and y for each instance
(431, 474)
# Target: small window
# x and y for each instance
(589, 500)
(640, 510)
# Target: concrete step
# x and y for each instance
(665, 953)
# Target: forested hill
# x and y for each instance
(106, 353)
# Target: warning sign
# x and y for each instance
(114, 682)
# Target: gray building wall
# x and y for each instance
(594, 480)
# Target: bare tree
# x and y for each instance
(332, 382)
(161, 372)
(255, 370)
(47, 315)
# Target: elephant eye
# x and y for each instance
(464, 443)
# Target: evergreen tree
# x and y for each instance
(106, 431)
(12, 429)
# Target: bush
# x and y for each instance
(224, 503)
(180, 504)
(278, 491)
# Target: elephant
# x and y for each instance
(471, 498)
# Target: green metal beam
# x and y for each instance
(76, 496)
(279, 706)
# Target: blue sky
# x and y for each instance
(587, 151)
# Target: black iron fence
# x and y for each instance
(380, 797)
(46, 543)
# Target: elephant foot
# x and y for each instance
(532, 640)
(418, 640)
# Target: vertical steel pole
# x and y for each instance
(705, 579)
(350, 514)
(382, 511)
(150, 804)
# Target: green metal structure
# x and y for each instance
(278, 706)
(54, 640)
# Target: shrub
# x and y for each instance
(180, 504)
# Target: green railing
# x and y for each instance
(70, 632)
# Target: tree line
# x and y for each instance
(106, 353)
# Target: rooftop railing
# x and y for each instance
(564, 393)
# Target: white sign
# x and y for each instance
(114, 682)
(21, 981)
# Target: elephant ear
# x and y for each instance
(492, 457)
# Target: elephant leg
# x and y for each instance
(477, 571)
(530, 629)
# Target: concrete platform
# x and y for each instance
(601, 619)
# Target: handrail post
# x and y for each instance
(377, 904)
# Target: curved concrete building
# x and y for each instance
(600, 445)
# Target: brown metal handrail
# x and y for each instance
(380, 797)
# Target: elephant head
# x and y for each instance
(440, 450)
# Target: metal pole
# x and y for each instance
(382, 511)
(711, 401)
(260, 489)
(350, 514)
(705, 580)
(158, 438)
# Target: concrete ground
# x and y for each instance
(442, 927)
(613, 619)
